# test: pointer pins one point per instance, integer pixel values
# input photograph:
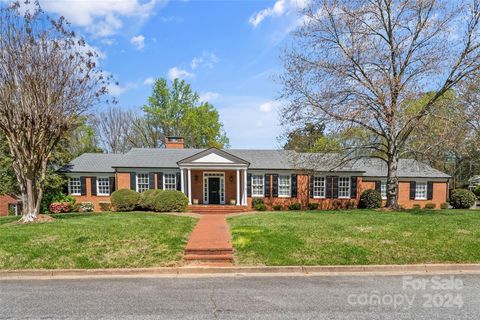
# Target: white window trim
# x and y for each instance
(163, 178)
(289, 186)
(69, 187)
(426, 190)
(262, 195)
(136, 181)
(349, 179)
(98, 189)
(383, 183)
(324, 188)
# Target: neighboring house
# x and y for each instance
(222, 177)
(473, 182)
(7, 204)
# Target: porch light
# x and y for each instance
(230, 179)
(196, 177)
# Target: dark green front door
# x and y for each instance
(213, 190)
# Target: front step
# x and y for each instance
(216, 209)
(208, 251)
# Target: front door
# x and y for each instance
(213, 190)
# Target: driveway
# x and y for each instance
(245, 297)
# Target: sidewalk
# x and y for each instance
(210, 242)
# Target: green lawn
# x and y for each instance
(356, 237)
(106, 240)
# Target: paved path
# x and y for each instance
(210, 242)
(302, 297)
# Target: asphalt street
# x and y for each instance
(245, 297)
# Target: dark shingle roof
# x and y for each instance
(92, 162)
(258, 159)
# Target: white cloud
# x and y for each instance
(179, 73)
(108, 41)
(117, 90)
(101, 17)
(138, 42)
(207, 58)
(208, 96)
(269, 106)
(149, 81)
(280, 8)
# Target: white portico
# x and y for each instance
(214, 176)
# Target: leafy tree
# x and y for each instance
(48, 79)
(178, 111)
(356, 64)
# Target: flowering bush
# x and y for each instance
(59, 207)
(86, 206)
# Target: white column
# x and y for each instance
(182, 181)
(189, 179)
(244, 187)
(238, 187)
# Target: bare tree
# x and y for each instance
(48, 77)
(113, 127)
(359, 63)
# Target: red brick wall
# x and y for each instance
(5, 200)
(89, 198)
(122, 180)
(440, 193)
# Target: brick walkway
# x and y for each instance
(210, 242)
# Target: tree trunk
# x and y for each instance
(392, 182)
(29, 208)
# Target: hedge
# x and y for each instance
(170, 201)
(147, 199)
(462, 199)
(370, 199)
(125, 200)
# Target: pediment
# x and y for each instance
(213, 156)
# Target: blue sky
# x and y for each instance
(228, 50)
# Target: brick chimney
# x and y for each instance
(174, 143)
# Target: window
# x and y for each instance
(74, 186)
(344, 187)
(421, 191)
(257, 186)
(284, 186)
(142, 182)
(103, 186)
(318, 187)
(170, 181)
(383, 189)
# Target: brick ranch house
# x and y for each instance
(214, 179)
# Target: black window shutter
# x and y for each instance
(160, 180)
(294, 185)
(275, 185)
(83, 186)
(429, 190)
(93, 185)
(249, 184)
(353, 187)
(268, 189)
(133, 182)
(65, 187)
(329, 185)
(179, 183)
(378, 186)
(413, 186)
(112, 184)
(334, 187)
(151, 180)
(311, 186)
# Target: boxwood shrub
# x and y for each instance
(313, 206)
(370, 199)
(147, 199)
(277, 207)
(170, 201)
(124, 200)
(295, 206)
(462, 199)
(430, 205)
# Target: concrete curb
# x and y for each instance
(246, 270)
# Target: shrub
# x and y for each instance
(170, 201)
(277, 207)
(462, 199)
(313, 206)
(147, 199)
(261, 207)
(86, 206)
(105, 206)
(60, 207)
(444, 206)
(416, 206)
(430, 206)
(476, 191)
(370, 199)
(257, 201)
(124, 200)
(295, 206)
